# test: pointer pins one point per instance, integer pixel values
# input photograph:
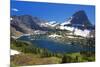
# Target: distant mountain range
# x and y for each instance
(27, 24)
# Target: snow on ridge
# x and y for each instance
(66, 28)
(52, 22)
(67, 22)
(54, 35)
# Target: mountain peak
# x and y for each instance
(81, 18)
(80, 12)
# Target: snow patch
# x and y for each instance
(84, 33)
(67, 28)
(11, 18)
(49, 24)
(54, 36)
(14, 52)
(70, 37)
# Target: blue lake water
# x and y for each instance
(56, 46)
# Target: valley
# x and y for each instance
(52, 42)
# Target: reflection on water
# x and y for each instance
(53, 46)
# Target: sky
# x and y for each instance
(51, 11)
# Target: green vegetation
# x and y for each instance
(27, 47)
(33, 55)
(78, 57)
(12, 65)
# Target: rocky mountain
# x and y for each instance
(81, 18)
(27, 24)
(78, 19)
(79, 24)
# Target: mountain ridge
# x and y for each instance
(27, 24)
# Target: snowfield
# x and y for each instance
(84, 33)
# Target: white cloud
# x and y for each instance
(14, 9)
